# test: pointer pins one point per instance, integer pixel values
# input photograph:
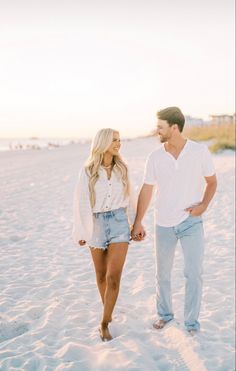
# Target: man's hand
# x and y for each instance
(138, 232)
(82, 242)
(196, 210)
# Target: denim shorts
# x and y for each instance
(110, 227)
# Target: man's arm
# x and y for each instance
(211, 184)
(145, 195)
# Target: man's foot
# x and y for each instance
(104, 332)
(160, 323)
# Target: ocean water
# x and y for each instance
(16, 144)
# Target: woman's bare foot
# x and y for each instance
(104, 332)
(159, 324)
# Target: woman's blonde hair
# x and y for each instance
(100, 144)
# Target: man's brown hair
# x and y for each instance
(173, 116)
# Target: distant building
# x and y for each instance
(194, 121)
(222, 119)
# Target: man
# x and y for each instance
(178, 169)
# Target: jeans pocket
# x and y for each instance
(189, 224)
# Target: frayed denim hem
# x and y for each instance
(98, 247)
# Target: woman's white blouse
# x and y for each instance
(109, 196)
(109, 193)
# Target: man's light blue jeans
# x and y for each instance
(191, 236)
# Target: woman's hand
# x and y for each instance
(82, 242)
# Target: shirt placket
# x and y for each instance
(108, 195)
(178, 160)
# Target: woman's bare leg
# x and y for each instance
(116, 255)
(100, 264)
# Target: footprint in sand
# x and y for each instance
(35, 313)
(12, 329)
(16, 238)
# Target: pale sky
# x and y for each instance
(71, 67)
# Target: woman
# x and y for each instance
(102, 199)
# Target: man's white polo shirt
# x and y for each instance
(180, 183)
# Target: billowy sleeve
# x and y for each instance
(82, 211)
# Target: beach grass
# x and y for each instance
(221, 136)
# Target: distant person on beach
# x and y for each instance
(102, 201)
(178, 170)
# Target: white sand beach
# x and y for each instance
(49, 303)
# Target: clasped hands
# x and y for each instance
(138, 232)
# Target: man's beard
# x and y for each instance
(163, 139)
